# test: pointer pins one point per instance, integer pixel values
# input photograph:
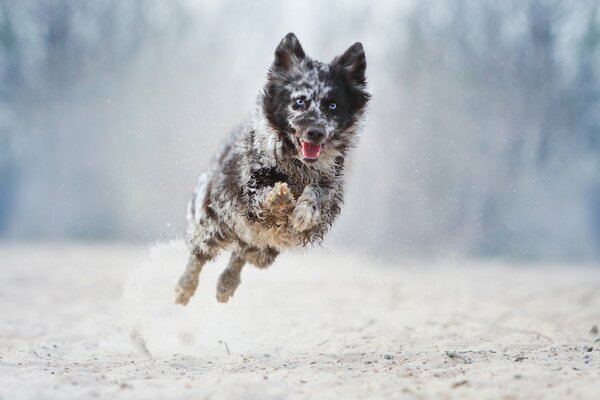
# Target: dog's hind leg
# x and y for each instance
(186, 287)
(230, 278)
(260, 258)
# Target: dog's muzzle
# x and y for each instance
(311, 143)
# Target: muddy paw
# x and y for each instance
(280, 198)
(305, 216)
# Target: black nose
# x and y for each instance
(315, 134)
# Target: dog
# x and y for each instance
(277, 182)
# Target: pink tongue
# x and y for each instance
(310, 150)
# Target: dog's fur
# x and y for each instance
(277, 182)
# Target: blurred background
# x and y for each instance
(483, 137)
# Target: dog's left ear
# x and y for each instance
(288, 53)
(354, 64)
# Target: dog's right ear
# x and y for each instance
(288, 53)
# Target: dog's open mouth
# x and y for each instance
(310, 151)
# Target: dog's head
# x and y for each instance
(315, 107)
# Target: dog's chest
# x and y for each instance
(267, 177)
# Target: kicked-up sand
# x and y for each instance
(83, 321)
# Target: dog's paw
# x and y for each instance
(305, 216)
(280, 198)
(183, 295)
(223, 295)
(228, 283)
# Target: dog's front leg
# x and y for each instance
(307, 213)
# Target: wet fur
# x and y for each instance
(260, 195)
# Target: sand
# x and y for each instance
(83, 321)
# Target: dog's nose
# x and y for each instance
(315, 134)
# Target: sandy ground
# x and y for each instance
(84, 322)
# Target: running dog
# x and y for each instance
(277, 182)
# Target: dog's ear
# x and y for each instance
(353, 63)
(288, 53)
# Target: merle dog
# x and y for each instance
(277, 182)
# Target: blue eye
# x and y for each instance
(332, 106)
(300, 102)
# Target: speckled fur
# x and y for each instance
(261, 195)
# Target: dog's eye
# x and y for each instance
(332, 106)
(299, 102)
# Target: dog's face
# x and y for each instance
(314, 107)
